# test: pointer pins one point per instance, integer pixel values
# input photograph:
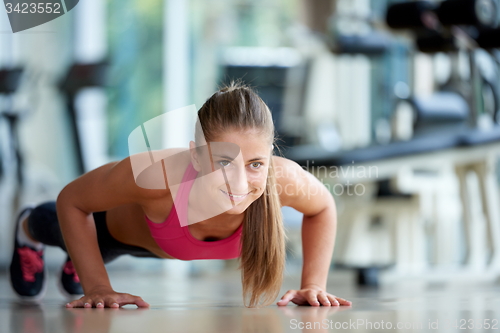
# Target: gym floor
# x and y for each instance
(214, 304)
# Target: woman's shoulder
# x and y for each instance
(136, 179)
(150, 169)
(289, 175)
(285, 169)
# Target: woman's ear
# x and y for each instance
(195, 159)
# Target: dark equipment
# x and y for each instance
(9, 82)
(81, 76)
(425, 14)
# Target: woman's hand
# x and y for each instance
(105, 297)
(312, 295)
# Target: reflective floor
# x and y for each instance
(214, 304)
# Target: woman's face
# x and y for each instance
(233, 169)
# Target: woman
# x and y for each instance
(226, 205)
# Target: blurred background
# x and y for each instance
(393, 105)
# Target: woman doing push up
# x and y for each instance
(220, 198)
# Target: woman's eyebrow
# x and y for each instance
(232, 158)
(224, 156)
(257, 159)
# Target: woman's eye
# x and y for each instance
(224, 163)
(255, 165)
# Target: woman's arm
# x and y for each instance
(303, 192)
(318, 238)
(106, 187)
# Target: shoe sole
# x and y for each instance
(41, 294)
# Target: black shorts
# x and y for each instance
(43, 225)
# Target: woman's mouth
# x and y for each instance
(234, 197)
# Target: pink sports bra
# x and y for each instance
(178, 242)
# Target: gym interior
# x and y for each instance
(393, 105)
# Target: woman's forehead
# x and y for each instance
(247, 150)
(254, 136)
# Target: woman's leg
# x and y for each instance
(40, 225)
(43, 226)
(27, 268)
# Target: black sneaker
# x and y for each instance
(69, 282)
(28, 275)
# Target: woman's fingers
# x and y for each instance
(84, 303)
(287, 298)
(333, 300)
(130, 299)
(114, 301)
(98, 303)
(343, 301)
(339, 301)
(110, 302)
(141, 303)
(78, 303)
(312, 297)
(323, 299)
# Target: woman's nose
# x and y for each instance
(239, 181)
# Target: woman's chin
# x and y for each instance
(238, 208)
(235, 210)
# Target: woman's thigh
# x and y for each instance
(43, 225)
